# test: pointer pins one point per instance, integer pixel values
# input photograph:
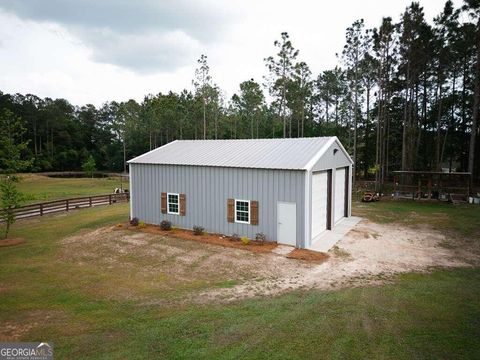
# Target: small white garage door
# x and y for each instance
(339, 194)
(319, 203)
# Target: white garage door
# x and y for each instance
(319, 203)
(339, 194)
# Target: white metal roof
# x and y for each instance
(290, 154)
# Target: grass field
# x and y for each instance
(38, 188)
(462, 219)
(43, 296)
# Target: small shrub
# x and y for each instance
(260, 237)
(141, 224)
(198, 230)
(134, 221)
(166, 225)
(235, 237)
(245, 240)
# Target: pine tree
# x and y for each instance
(352, 55)
(473, 8)
(281, 68)
(202, 83)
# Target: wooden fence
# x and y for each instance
(50, 207)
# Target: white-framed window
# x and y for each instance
(242, 211)
(173, 203)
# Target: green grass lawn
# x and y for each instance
(48, 298)
(38, 188)
(463, 219)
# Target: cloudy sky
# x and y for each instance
(91, 51)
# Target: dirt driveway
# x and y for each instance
(144, 265)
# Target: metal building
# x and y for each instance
(292, 190)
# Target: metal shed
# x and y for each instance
(292, 190)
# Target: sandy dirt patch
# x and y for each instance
(370, 253)
(153, 267)
(135, 264)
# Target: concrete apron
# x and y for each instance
(328, 238)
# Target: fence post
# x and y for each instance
(90, 201)
(41, 209)
(110, 199)
(66, 202)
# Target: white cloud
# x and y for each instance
(94, 51)
(144, 52)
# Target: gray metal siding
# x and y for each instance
(331, 161)
(207, 190)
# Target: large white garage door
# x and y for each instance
(319, 203)
(339, 194)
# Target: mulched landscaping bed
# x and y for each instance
(308, 255)
(11, 242)
(214, 239)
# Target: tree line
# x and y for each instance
(403, 96)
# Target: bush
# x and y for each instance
(141, 224)
(260, 237)
(245, 240)
(235, 237)
(166, 225)
(198, 230)
(134, 221)
(89, 166)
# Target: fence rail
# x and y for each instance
(49, 207)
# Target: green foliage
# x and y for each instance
(10, 198)
(11, 143)
(374, 169)
(245, 240)
(89, 166)
(248, 105)
(11, 148)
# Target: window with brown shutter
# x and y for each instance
(230, 210)
(254, 212)
(182, 205)
(164, 203)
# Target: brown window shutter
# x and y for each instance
(164, 203)
(230, 210)
(254, 212)
(182, 204)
